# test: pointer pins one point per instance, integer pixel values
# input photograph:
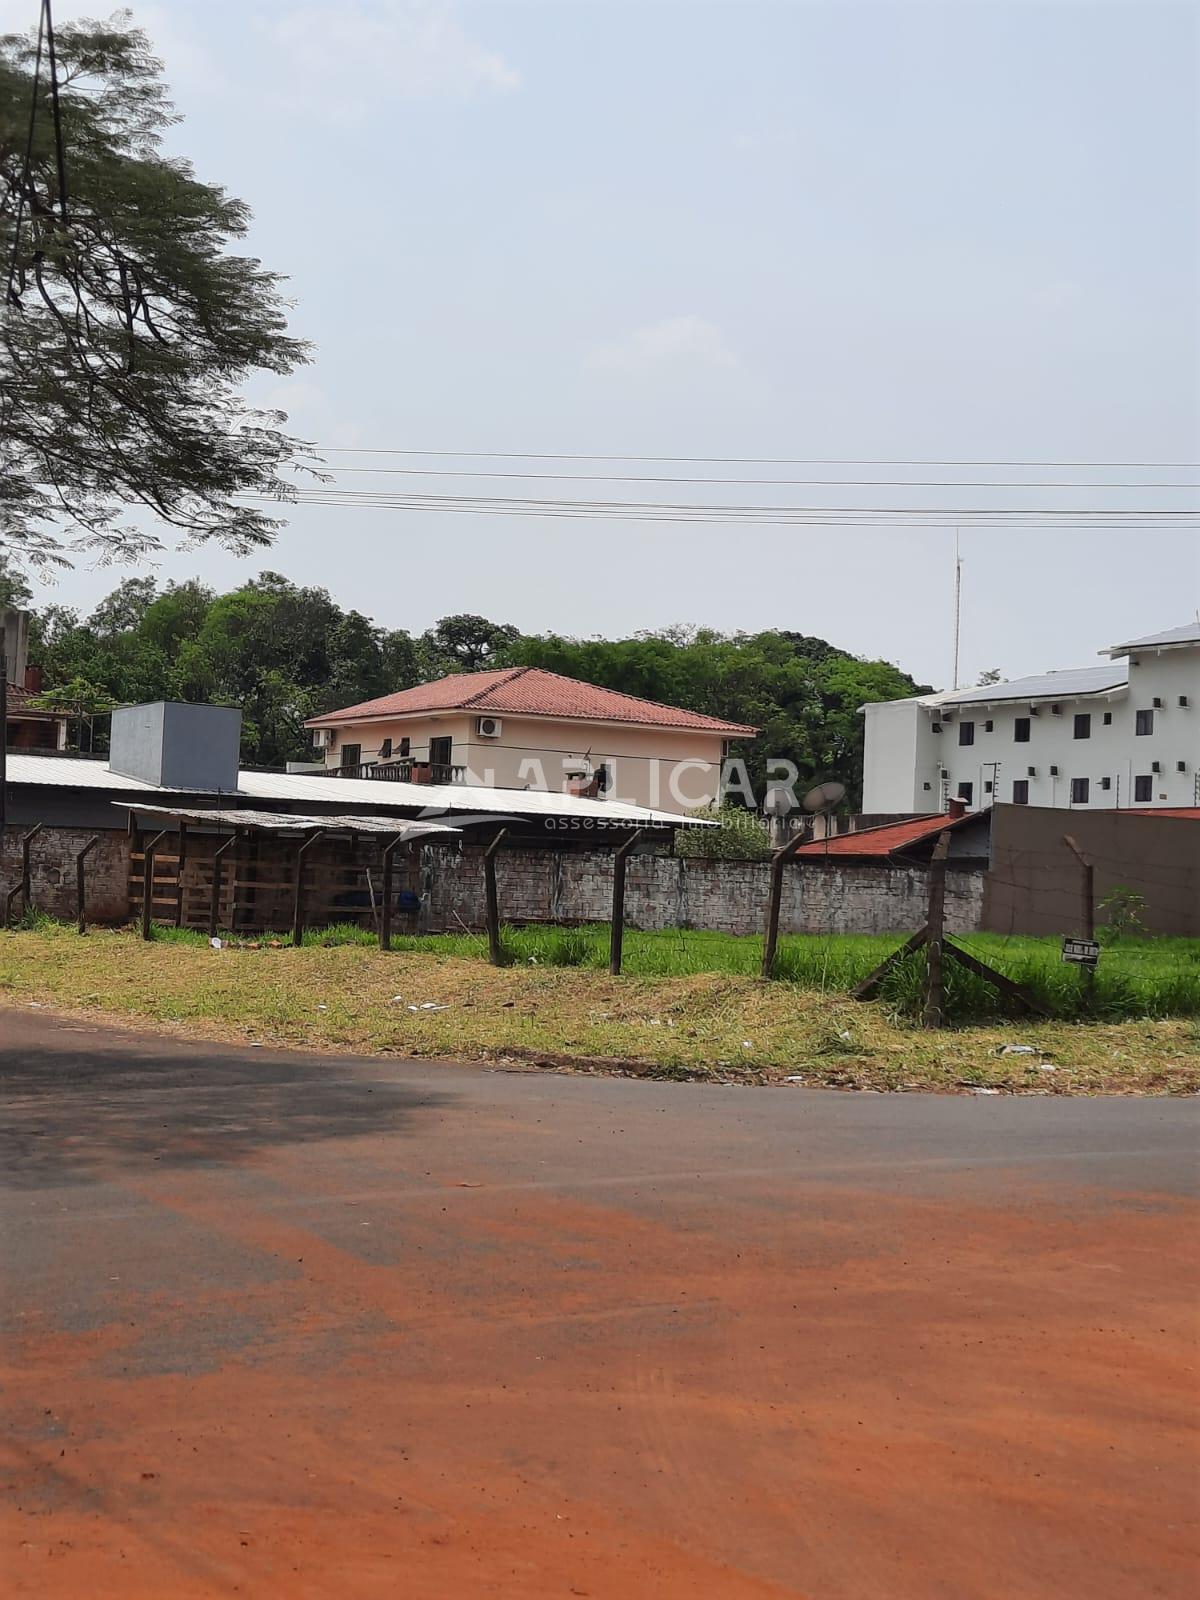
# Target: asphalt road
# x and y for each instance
(277, 1325)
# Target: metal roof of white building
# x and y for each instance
(1189, 633)
(1043, 686)
(431, 800)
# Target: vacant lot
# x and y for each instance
(727, 1025)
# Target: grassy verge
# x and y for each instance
(724, 1025)
(1136, 977)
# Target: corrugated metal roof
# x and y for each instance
(289, 822)
(431, 800)
(888, 838)
(1189, 633)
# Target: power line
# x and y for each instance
(752, 461)
(830, 483)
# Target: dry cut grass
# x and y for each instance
(711, 1025)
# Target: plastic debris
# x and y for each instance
(1017, 1050)
(428, 1005)
(794, 1077)
(746, 1045)
(217, 944)
(322, 1008)
(979, 1090)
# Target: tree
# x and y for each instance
(466, 644)
(127, 323)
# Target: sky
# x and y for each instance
(959, 232)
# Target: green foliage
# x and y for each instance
(738, 836)
(1121, 914)
(130, 321)
(283, 652)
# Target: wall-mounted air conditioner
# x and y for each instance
(1054, 772)
(1181, 766)
(1056, 710)
(1031, 772)
(1106, 783)
(488, 727)
(1158, 702)
(1156, 766)
(935, 727)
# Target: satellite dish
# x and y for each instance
(824, 797)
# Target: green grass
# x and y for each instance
(1137, 977)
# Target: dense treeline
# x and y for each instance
(283, 653)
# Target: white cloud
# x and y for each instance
(675, 342)
(340, 59)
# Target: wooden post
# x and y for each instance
(495, 954)
(298, 903)
(1088, 890)
(218, 863)
(26, 888)
(148, 881)
(935, 927)
(179, 872)
(80, 856)
(385, 915)
(779, 860)
(617, 936)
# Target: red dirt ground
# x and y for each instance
(548, 1337)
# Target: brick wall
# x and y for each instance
(672, 891)
(52, 871)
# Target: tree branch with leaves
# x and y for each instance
(127, 324)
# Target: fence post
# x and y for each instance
(298, 903)
(218, 864)
(180, 864)
(26, 882)
(80, 855)
(385, 917)
(1088, 887)
(935, 925)
(779, 860)
(617, 936)
(495, 954)
(148, 880)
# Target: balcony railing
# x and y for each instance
(402, 772)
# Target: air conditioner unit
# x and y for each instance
(1031, 772)
(1056, 710)
(1054, 772)
(936, 727)
(1183, 700)
(1158, 702)
(1106, 783)
(488, 727)
(319, 738)
(1181, 766)
(1156, 766)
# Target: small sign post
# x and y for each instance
(1081, 952)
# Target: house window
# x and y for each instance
(603, 778)
(1108, 719)
(1143, 787)
(385, 750)
(405, 746)
(1079, 791)
(966, 733)
(1083, 725)
(1144, 723)
(1021, 730)
(351, 755)
(1020, 791)
(988, 725)
(966, 791)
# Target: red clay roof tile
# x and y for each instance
(534, 692)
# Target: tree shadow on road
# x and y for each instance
(84, 1112)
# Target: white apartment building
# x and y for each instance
(1126, 734)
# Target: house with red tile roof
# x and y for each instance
(910, 840)
(526, 728)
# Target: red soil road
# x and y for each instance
(282, 1327)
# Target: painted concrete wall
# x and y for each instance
(668, 769)
(1036, 883)
(900, 776)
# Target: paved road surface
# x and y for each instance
(280, 1326)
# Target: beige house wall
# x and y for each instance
(668, 768)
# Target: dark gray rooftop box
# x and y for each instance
(178, 746)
